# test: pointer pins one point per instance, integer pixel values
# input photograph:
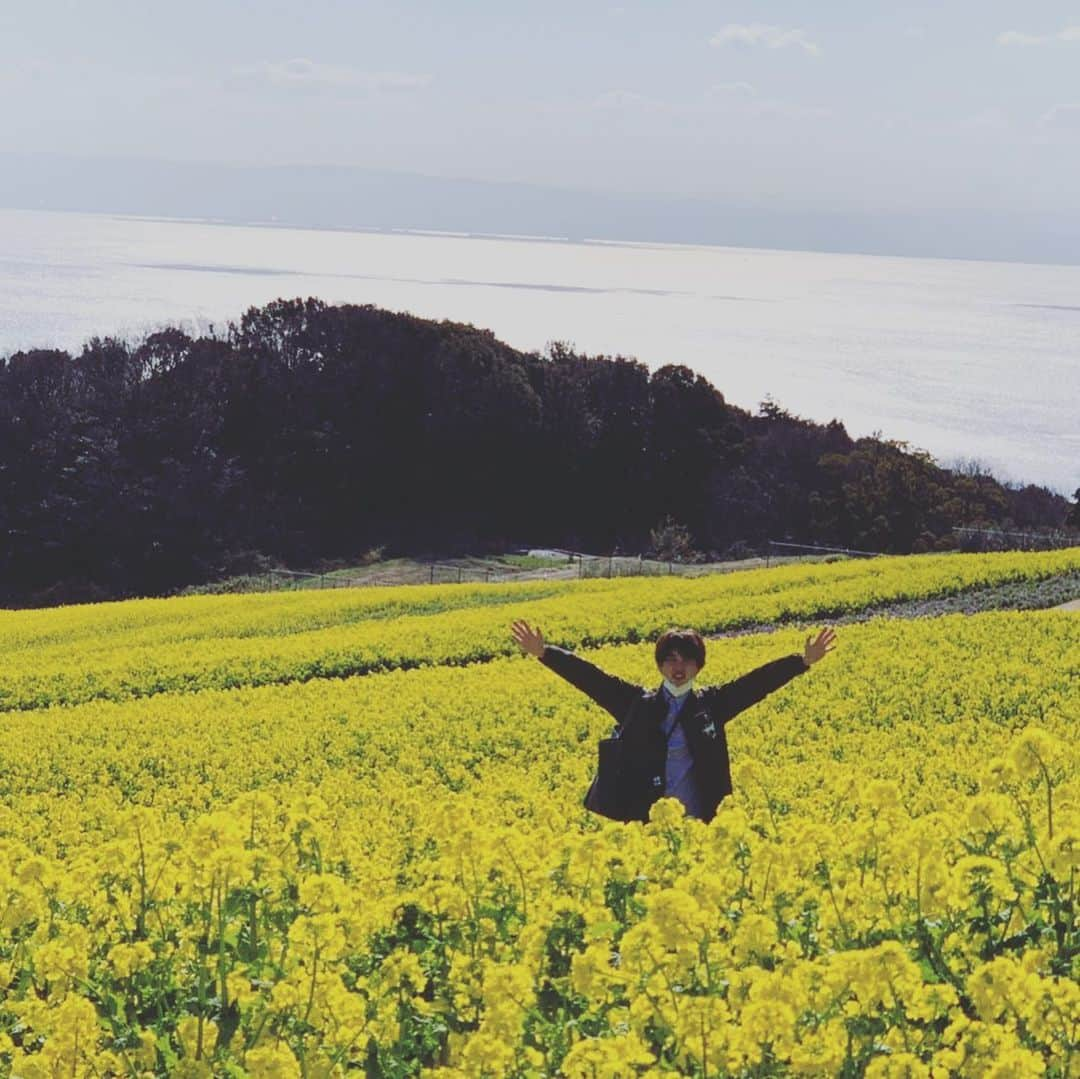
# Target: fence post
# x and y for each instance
(459, 575)
(432, 581)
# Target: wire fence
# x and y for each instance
(577, 564)
(433, 573)
(996, 539)
(776, 548)
(452, 573)
(562, 564)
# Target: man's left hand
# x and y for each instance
(819, 648)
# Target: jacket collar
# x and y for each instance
(658, 703)
(694, 694)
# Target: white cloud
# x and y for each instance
(772, 37)
(789, 110)
(1061, 118)
(992, 119)
(623, 99)
(301, 73)
(1016, 37)
(731, 89)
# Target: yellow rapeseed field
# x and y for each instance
(217, 860)
(117, 651)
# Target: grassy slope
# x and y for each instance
(478, 569)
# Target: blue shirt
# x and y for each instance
(679, 779)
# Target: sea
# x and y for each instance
(976, 363)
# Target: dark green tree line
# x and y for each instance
(308, 431)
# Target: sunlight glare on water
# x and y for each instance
(964, 359)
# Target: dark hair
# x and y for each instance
(687, 642)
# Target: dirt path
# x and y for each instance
(1035, 596)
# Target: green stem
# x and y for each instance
(942, 968)
(1049, 797)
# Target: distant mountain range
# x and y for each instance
(352, 198)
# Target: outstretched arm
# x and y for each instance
(731, 699)
(611, 693)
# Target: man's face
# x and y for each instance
(678, 668)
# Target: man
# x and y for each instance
(669, 741)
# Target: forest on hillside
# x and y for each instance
(307, 432)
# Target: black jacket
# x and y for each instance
(633, 760)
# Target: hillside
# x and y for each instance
(307, 432)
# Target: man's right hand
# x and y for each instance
(528, 639)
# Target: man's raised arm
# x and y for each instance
(611, 693)
(729, 700)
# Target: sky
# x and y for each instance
(828, 106)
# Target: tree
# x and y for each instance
(1073, 519)
(694, 437)
(671, 542)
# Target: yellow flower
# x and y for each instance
(591, 970)
(35, 871)
(667, 813)
(883, 795)
(319, 934)
(127, 959)
(991, 988)
(196, 1037)
(271, 1062)
(761, 1023)
(677, 917)
(1063, 854)
(1032, 751)
(401, 971)
(616, 1057)
(324, 893)
(145, 1054)
(486, 1055)
(755, 935)
(703, 1028)
(897, 1066)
